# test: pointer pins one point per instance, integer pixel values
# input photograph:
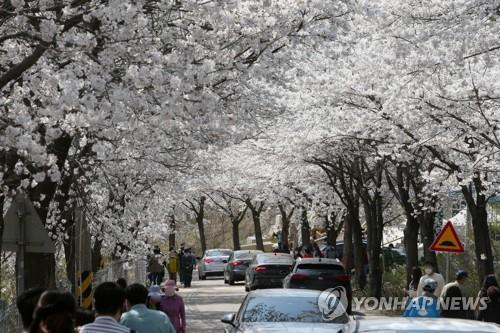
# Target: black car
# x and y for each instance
(237, 265)
(319, 274)
(268, 270)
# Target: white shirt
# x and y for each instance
(434, 276)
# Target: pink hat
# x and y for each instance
(170, 286)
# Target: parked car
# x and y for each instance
(267, 270)
(319, 274)
(237, 265)
(282, 310)
(420, 325)
(393, 257)
(213, 262)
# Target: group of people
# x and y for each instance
(179, 263)
(431, 297)
(117, 308)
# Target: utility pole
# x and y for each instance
(21, 244)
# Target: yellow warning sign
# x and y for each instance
(447, 240)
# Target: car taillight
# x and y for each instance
(342, 277)
(260, 268)
(208, 260)
(298, 277)
(236, 263)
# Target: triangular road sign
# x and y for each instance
(447, 240)
(36, 237)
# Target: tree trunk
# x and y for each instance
(347, 255)
(285, 227)
(171, 235)
(359, 253)
(427, 235)
(305, 229)
(236, 234)
(96, 256)
(374, 222)
(479, 215)
(256, 210)
(411, 245)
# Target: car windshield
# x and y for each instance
(286, 309)
(314, 268)
(275, 260)
(244, 255)
(219, 253)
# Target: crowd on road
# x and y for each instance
(179, 264)
(117, 308)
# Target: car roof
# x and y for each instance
(248, 251)
(279, 292)
(277, 254)
(400, 324)
(326, 261)
(219, 250)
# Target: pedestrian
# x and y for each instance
(189, 261)
(306, 252)
(154, 297)
(108, 301)
(26, 304)
(141, 319)
(425, 305)
(122, 282)
(330, 251)
(172, 305)
(460, 279)
(54, 313)
(453, 303)
(489, 281)
(173, 264)
(83, 317)
(180, 255)
(155, 267)
(430, 273)
(316, 250)
(416, 274)
(492, 311)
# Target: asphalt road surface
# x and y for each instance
(207, 301)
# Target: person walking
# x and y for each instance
(489, 281)
(416, 274)
(189, 261)
(154, 297)
(460, 279)
(155, 267)
(172, 305)
(425, 305)
(492, 311)
(430, 273)
(26, 304)
(108, 302)
(452, 303)
(173, 264)
(180, 262)
(141, 319)
(55, 313)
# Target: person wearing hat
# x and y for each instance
(141, 319)
(154, 297)
(460, 279)
(430, 273)
(172, 305)
(425, 305)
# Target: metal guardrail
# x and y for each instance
(132, 270)
(9, 318)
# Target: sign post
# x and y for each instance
(24, 232)
(447, 241)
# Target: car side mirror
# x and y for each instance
(228, 319)
(224, 261)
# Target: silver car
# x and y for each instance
(213, 262)
(282, 310)
(420, 325)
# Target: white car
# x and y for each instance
(419, 325)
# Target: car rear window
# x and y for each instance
(319, 268)
(244, 255)
(219, 253)
(278, 260)
(285, 309)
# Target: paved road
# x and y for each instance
(207, 301)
